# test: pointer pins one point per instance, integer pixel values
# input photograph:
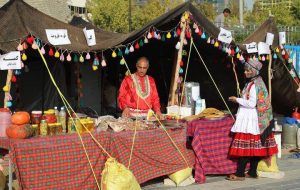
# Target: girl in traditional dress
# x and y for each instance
(253, 137)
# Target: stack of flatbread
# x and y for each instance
(208, 113)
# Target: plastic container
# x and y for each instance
(63, 119)
(5, 121)
(289, 135)
(198, 106)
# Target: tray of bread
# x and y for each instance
(208, 113)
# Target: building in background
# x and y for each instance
(62, 10)
(267, 4)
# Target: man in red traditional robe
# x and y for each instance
(138, 93)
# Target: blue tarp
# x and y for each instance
(294, 52)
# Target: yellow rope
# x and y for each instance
(238, 90)
(290, 74)
(186, 70)
(67, 108)
(159, 123)
(213, 81)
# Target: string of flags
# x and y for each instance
(260, 51)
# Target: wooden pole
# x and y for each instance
(270, 76)
(175, 72)
(8, 82)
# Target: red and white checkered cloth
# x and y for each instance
(59, 162)
(211, 142)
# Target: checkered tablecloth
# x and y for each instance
(211, 142)
(153, 154)
(59, 162)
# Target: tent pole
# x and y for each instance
(175, 71)
(8, 82)
(270, 76)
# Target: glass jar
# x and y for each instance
(36, 117)
(36, 129)
(44, 128)
(59, 129)
(52, 129)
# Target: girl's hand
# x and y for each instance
(232, 99)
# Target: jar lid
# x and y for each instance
(36, 112)
(34, 125)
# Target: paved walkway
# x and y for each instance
(291, 180)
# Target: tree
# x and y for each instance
(206, 8)
(295, 11)
(113, 15)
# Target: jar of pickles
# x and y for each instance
(36, 129)
(59, 128)
(43, 128)
(71, 125)
(52, 129)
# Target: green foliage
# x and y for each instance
(113, 15)
(206, 8)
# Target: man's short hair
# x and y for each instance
(142, 59)
(226, 10)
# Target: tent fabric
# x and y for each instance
(259, 35)
(284, 89)
(18, 19)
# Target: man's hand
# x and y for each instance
(126, 112)
(232, 99)
(159, 115)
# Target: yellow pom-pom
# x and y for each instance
(169, 35)
(81, 59)
(238, 55)
(95, 67)
(122, 62)
(24, 57)
(114, 54)
(277, 50)
(216, 44)
(5, 88)
(56, 54)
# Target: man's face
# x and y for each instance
(142, 68)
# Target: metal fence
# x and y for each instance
(292, 33)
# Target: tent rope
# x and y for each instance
(238, 90)
(85, 151)
(270, 77)
(213, 80)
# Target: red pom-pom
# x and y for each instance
(286, 56)
(178, 31)
(30, 40)
(188, 34)
(181, 63)
(136, 46)
(13, 78)
(25, 46)
(50, 52)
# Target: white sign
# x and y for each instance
(11, 60)
(58, 36)
(263, 48)
(90, 36)
(225, 36)
(270, 38)
(282, 38)
(252, 47)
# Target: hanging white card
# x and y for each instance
(270, 38)
(282, 38)
(263, 48)
(90, 36)
(225, 36)
(58, 36)
(11, 60)
(252, 47)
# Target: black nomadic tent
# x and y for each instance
(99, 88)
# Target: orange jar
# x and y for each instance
(36, 117)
